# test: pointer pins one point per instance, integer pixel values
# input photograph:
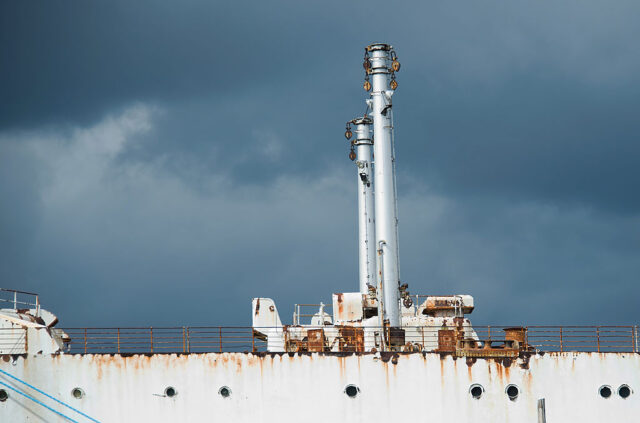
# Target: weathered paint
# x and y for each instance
(284, 387)
(347, 307)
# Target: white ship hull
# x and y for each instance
(287, 387)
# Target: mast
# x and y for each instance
(380, 65)
(363, 156)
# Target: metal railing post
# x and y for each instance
(253, 340)
(220, 329)
(85, 340)
(151, 336)
(118, 340)
(188, 340)
(598, 337)
(561, 347)
(15, 300)
(184, 340)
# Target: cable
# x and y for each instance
(46, 395)
(38, 402)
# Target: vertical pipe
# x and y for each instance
(542, 411)
(386, 220)
(366, 207)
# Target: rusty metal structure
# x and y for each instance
(376, 355)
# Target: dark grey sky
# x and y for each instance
(161, 163)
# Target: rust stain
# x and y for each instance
(341, 365)
(442, 358)
(385, 365)
(238, 362)
(499, 370)
(97, 364)
(527, 380)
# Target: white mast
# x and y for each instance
(366, 221)
(381, 64)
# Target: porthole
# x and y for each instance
(512, 392)
(225, 392)
(352, 391)
(77, 393)
(476, 390)
(605, 391)
(170, 392)
(4, 395)
(624, 391)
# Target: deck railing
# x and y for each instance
(16, 300)
(239, 339)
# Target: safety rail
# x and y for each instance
(346, 338)
(309, 311)
(572, 338)
(14, 299)
(13, 339)
(163, 340)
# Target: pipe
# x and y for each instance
(386, 219)
(366, 218)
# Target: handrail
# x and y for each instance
(13, 299)
(19, 292)
(190, 339)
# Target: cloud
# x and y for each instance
(115, 238)
(166, 173)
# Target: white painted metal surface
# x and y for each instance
(347, 307)
(366, 207)
(22, 333)
(386, 224)
(294, 388)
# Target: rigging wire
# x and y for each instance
(38, 402)
(46, 395)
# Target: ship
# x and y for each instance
(378, 354)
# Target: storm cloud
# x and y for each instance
(163, 163)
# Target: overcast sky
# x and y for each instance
(162, 163)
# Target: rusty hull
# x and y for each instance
(282, 387)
